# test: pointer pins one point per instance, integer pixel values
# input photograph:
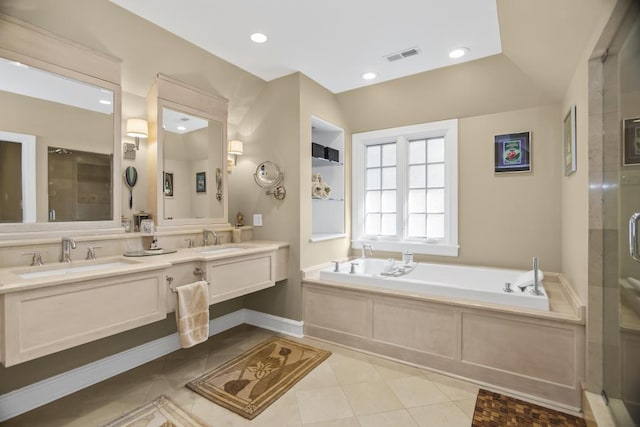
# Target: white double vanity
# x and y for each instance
(53, 307)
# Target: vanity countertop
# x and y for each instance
(19, 278)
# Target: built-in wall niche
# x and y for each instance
(327, 181)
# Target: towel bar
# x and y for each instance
(196, 271)
(175, 291)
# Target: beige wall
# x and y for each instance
(503, 220)
(575, 188)
(490, 85)
(270, 131)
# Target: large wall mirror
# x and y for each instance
(187, 151)
(58, 152)
(192, 153)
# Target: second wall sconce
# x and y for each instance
(136, 128)
(236, 148)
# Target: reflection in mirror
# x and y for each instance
(79, 185)
(192, 150)
(64, 114)
(17, 177)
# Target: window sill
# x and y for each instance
(439, 249)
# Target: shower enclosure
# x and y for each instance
(614, 108)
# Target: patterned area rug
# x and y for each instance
(251, 382)
(497, 410)
(162, 412)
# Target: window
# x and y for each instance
(405, 188)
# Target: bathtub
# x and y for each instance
(481, 284)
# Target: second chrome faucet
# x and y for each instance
(205, 237)
(67, 244)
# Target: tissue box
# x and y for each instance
(317, 150)
(331, 154)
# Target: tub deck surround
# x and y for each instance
(531, 353)
(58, 306)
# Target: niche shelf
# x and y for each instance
(327, 215)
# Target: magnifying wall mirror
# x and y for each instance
(269, 176)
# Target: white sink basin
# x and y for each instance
(71, 269)
(216, 251)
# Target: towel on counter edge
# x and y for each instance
(192, 313)
(527, 278)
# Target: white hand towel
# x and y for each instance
(192, 313)
(527, 278)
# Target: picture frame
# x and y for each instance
(569, 142)
(631, 142)
(201, 182)
(168, 184)
(512, 152)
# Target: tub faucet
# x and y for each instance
(536, 280)
(366, 246)
(67, 244)
(535, 290)
(205, 237)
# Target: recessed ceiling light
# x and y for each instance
(105, 102)
(181, 128)
(259, 38)
(369, 76)
(458, 52)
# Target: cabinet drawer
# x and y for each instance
(47, 320)
(234, 277)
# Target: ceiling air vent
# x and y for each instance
(403, 54)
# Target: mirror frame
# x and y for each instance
(167, 92)
(36, 47)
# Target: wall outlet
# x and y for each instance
(257, 220)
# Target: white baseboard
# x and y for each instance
(34, 395)
(274, 323)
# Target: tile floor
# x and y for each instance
(348, 389)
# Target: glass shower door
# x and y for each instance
(621, 213)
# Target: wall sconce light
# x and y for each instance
(136, 128)
(235, 149)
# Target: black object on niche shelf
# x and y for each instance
(331, 154)
(317, 150)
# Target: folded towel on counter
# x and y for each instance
(527, 278)
(192, 313)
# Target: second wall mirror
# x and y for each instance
(187, 151)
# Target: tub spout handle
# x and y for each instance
(353, 268)
(507, 287)
(336, 266)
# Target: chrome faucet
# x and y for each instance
(67, 244)
(366, 246)
(535, 290)
(536, 280)
(205, 237)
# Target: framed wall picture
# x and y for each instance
(201, 182)
(512, 152)
(168, 184)
(631, 142)
(569, 142)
